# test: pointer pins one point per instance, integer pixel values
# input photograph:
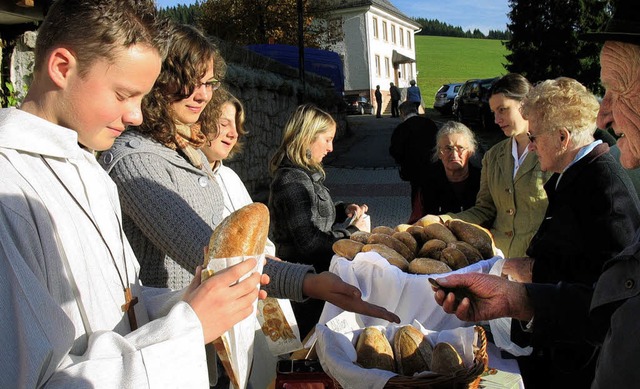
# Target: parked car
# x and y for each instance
(472, 103)
(358, 105)
(445, 95)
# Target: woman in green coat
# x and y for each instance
(511, 201)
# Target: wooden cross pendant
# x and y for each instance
(127, 307)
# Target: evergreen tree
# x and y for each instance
(545, 39)
(184, 14)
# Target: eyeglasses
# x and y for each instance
(210, 85)
(451, 149)
(533, 138)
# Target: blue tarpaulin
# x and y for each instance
(321, 62)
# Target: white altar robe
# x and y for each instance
(45, 341)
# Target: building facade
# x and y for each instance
(377, 47)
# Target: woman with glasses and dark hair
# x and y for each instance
(511, 201)
(453, 182)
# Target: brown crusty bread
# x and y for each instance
(244, 232)
(446, 359)
(412, 351)
(374, 351)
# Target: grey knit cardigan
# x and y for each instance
(170, 210)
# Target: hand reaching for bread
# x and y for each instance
(330, 287)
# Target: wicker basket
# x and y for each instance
(462, 379)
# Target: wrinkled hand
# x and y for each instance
(492, 297)
(218, 304)
(519, 269)
(356, 210)
(331, 288)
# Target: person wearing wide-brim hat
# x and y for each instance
(607, 313)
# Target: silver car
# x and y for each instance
(444, 97)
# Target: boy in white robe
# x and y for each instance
(65, 265)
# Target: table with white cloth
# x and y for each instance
(409, 296)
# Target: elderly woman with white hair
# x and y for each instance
(453, 183)
(593, 214)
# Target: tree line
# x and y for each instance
(438, 28)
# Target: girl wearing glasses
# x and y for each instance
(511, 200)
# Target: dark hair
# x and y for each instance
(187, 61)
(98, 29)
(513, 86)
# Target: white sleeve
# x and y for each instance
(37, 336)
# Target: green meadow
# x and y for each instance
(441, 60)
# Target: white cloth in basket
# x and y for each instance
(407, 295)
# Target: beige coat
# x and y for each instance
(512, 208)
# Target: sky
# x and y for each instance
(484, 15)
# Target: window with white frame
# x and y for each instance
(375, 27)
(387, 68)
(393, 34)
(408, 38)
(377, 65)
(401, 35)
(384, 31)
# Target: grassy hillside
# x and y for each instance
(441, 60)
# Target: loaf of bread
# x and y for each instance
(390, 241)
(347, 248)
(412, 351)
(392, 256)
(477, 236)
(374, 351)
(446, 359)
(244, 232)
(428, 266)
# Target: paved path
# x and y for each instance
(360, 170)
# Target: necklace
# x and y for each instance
(130, 300)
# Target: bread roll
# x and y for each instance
(432, 249)
(383, 230)
(471, 253)
(402, 227)
(412, 351)
(244, 232)
(393, 243)
(439, 231)
(392, 256)
(454, 258)
(408, 240)
(477, 236)
(446, 359)
(360, 236)
(347, 248)
(428, 266)
(374, 351)
(428, 219)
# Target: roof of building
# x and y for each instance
(382, 4)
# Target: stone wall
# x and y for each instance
(269, 90)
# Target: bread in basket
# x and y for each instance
(337, 355)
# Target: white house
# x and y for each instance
(378, 47)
